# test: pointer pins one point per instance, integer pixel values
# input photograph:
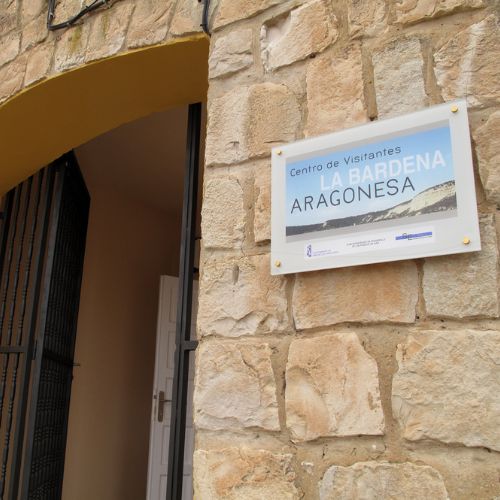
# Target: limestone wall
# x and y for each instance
(378, 381)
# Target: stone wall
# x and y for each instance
(378, 381)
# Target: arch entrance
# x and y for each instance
(44, 121)
(75, 111)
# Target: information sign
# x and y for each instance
(394, 189)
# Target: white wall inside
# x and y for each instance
(135, 178)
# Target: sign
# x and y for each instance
(394, 189)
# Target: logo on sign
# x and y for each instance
(414, 236)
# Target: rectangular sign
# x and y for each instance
(394, 189)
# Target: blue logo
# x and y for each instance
(414, 236)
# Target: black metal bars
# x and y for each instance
(40, 218)
(22, 240)
(44, 452)
(184, 344)
(42, 241)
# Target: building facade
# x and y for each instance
(377, 381)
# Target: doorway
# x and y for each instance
(63, 112)
(135, 178)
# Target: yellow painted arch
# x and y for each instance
(64, 111)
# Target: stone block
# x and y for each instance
(231, 53)
(366, 17)
(223, 214)
(375, 293)
(35, 32)
(8, 15)
(467, 65)
(234, 10)
(32, 9)
(187, 17)
(488, 156)
(335, 95)
(238, 296)
(273, 117)
(149, 23)
(262, 206)
(226, 140)
(306, 30)
(447, 387)
(248, 121)
(66, 9)
(332, 388)
(399, 78)
(108, 31)
(71, 48)
(465, 285)
(414, 11)
(39, 60)
(12, 77)
(243, 474)
(9, 47)
(235, 387)
(382, 480)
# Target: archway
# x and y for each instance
(60, 113)
(63, 112)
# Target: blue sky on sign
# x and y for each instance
(309, 184)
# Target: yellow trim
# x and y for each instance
(67, 110)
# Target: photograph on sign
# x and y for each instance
(387, 181)
(389, 190)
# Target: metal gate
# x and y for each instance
(42, 243)
(183, 343)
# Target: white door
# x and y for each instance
(162, 390)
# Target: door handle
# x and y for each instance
(161, 401)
